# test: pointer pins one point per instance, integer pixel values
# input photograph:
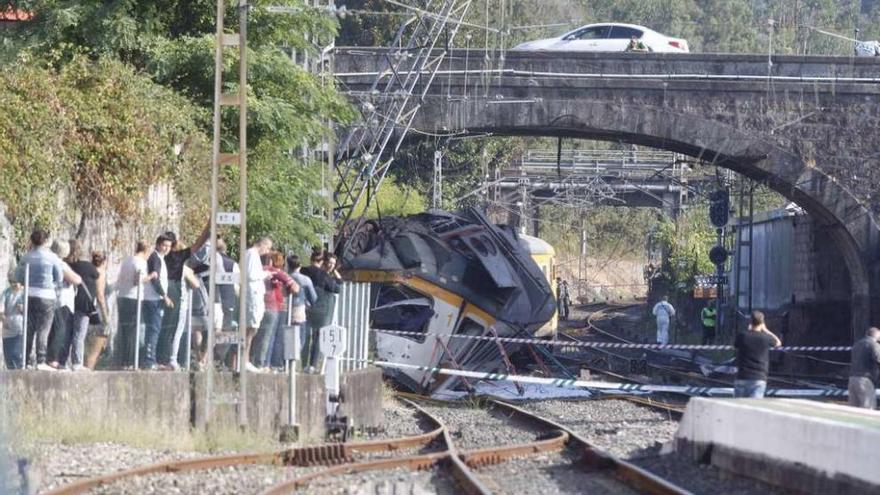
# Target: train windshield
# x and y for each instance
(404, 310)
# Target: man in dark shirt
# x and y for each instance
(171, 321)
(753, 358)
(320, 313)
(864, 370)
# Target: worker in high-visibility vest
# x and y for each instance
(707, 319)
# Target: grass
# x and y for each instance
(30, 428)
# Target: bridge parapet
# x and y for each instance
(349, 60)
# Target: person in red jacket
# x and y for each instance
(279, 285)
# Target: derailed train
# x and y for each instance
(436, 274)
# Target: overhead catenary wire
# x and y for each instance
(426, 13)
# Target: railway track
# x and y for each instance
(438, 455)
(672, 373)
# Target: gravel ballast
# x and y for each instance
(398, 481)
(232, 480)
(616, 426)
(635, 432)
(555, 473)
(400, 420)
(59, 464)
(476, 428)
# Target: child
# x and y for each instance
(12, 313)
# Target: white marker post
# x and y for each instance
(332, 344)
(24, 330)
(188, 327)
(290, 433)
(137, 323)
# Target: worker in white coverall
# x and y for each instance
(664, 312)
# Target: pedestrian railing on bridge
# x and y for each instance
(597, 162)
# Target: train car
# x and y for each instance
(545, 257)
(439, 277)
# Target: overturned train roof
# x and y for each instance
(462, 252)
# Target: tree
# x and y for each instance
(97, 131)
(173, 41)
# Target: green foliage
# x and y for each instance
(687, 242)
(173, 41)
(94, 129)
(463, 161)
(394, 198)
(612, 232)
(375, 29)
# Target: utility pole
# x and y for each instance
(437, 195)
(239, 218)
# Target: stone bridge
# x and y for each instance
(808, 127)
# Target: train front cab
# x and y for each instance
(545, 257)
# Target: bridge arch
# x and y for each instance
(850, 224)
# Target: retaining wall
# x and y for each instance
(175, 402)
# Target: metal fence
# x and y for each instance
(353, 312)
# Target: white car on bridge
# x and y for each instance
(611, 37)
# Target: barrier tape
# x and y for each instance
(617, 387)
(614, 345)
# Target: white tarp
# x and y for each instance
(508, 391)
(867, 48)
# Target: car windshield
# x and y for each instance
(590, 33)
(623, 32)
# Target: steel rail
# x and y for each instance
(324, 454)
(84, 486)
(449, 458)
(496, 455)
(634, 476)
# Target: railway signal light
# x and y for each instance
(718, 255)
(719, 207)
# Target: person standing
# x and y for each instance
(227, 294)
(256, 292)
(98, 323)
(664, 312)
(174, 317)
(753, 358)
(132, 273)
(323, 274)
(191, 287)
(12, 313)
(155, 299)
(563, 300)
(45, 272)
(279, 285)
(200, 326)
(60, 337)
(88, 303)
(864, 370)
(301, 301)
(225, 304)
(707, 320)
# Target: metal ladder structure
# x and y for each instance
(219, 158)
(437, 189)
(366, 152)
(743, 267)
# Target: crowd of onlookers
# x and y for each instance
(161, 293)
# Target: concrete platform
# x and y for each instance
(806, 446)
(174, 401)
